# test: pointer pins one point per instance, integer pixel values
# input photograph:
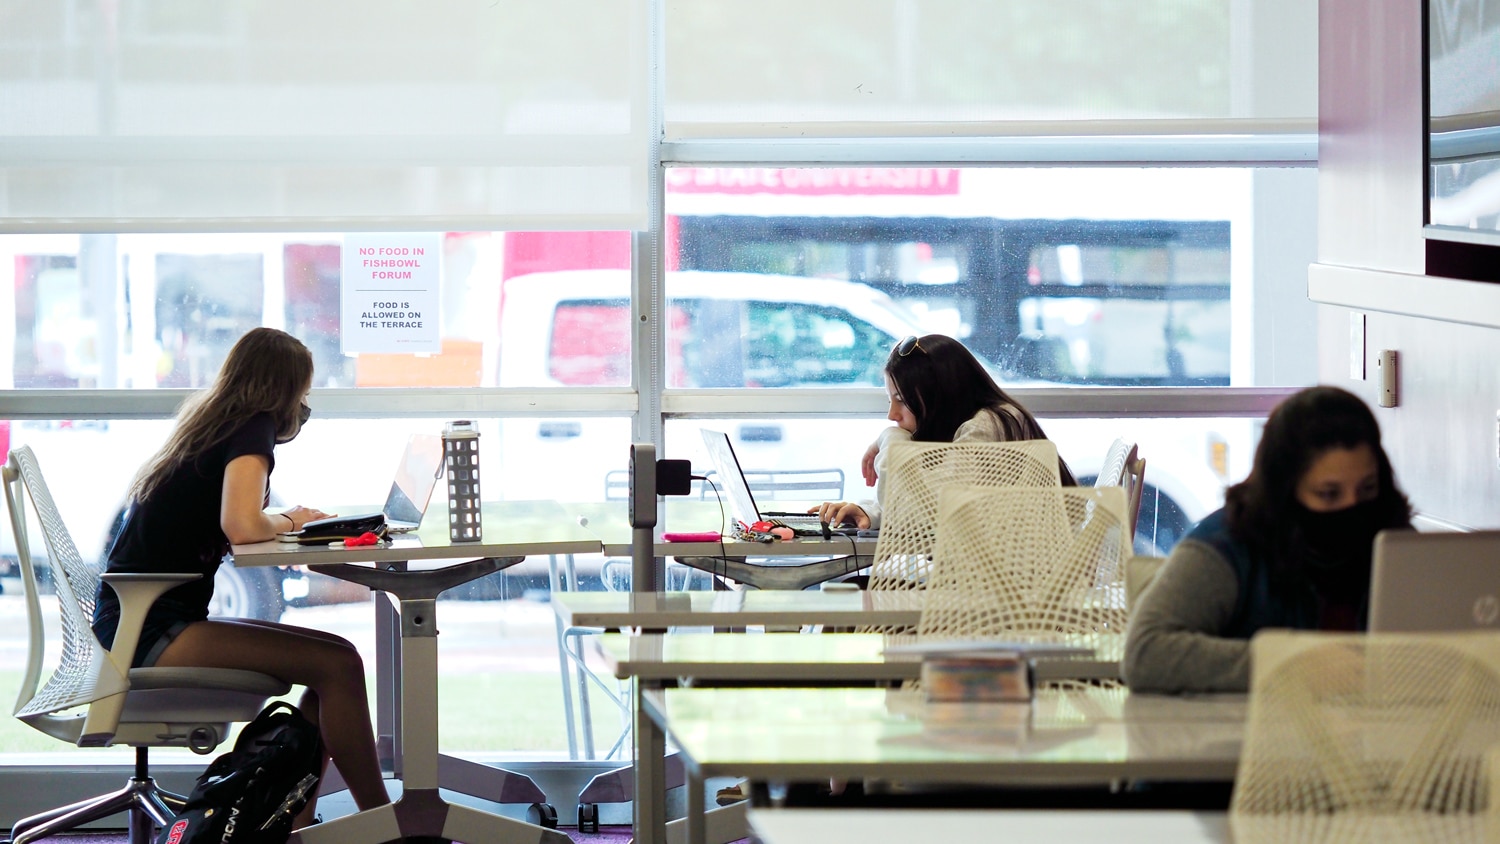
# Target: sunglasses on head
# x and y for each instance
(907, 346)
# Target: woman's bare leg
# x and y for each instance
(327, 665)
(310, 707)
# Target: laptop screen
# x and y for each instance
(731, 476)
(416, 474)
(1445, 581)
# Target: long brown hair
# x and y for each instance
(267, 371)
(944, 385)
(1259, 510)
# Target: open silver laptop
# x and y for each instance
(1435, 581)
(742, 503)
(417, 473)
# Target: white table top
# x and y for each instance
(863, 826)
(510, 529)
(1078, 736)
(792, 657)
(749, 608)
(769, 657)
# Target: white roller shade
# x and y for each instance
(328, 115)
(940, 68)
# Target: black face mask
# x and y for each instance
(1339, 539)
(304, 413)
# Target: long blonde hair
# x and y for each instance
(267, 371)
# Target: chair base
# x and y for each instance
(150, 807)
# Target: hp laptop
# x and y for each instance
(1435, 581)
(742, 503)
(421, 465)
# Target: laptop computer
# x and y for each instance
(1435, 581)
(405, 504)
(742, 503)
(417, 473)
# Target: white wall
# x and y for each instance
(1442, 437)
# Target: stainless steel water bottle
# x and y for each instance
(461, 462)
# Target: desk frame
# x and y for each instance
(412, 716)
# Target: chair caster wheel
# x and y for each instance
(588, 817)
(542, 814)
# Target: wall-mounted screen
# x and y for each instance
(1463, 96)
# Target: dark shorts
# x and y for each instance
(163, 623)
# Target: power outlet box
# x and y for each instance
(642, 509)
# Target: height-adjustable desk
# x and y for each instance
(413, 570)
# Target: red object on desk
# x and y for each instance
(705, 536)
(366, 538)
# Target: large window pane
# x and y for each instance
(149, 311)
(1102, 276)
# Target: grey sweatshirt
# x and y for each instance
(1173, 643)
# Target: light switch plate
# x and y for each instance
(1386, 364)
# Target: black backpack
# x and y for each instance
(251, 794)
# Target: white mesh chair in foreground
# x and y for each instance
(1033, 563)
(92, 697)
(913, 476)
(1366, 738)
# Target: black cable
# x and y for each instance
(723, 523)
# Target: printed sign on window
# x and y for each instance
(388, 295)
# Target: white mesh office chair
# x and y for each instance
(1042, 564)
(1124, 467)
(913, 476)
(1379, 737)
(92, 698)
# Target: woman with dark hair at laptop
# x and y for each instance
(939, 393)
(1291, 549)
(206, 489)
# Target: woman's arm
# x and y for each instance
(1173, 643)
(864, 514)
(240, 513)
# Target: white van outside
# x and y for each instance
(735, 330)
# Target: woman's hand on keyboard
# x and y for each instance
(836, 513)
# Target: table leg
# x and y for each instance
(387, 673)
(650, 804)
(563, 671)
(697, 832)
(422, 811)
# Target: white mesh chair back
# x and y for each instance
(1116, 461)
(1032, 563)
(913, 476)
(83, 673)
(1123, 467)
(1362, 738)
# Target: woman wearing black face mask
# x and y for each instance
(206, 489)
(1291, 549)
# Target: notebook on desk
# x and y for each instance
(1423, 582)
(742, 503)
